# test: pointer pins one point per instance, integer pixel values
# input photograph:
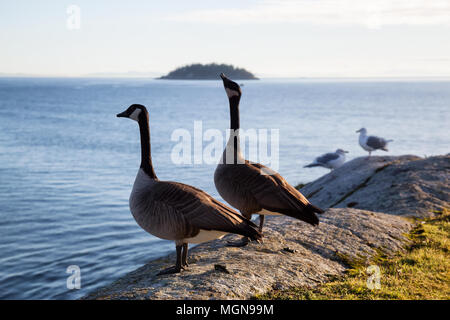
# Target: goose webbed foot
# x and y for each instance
(171, 270)
(238, 244)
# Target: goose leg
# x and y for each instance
(261, 222)
(184, 256)
(175, 269)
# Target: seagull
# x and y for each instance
(330, 160)
(372, 143)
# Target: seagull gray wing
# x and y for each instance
(376, 142)
(325, 158)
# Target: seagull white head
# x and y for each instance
(362, 130)
(133, 112)
(340, 151)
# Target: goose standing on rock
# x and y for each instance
(372, 143)
(175, 211)
(330, 160)
(253, 188)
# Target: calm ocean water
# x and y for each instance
(67, 164)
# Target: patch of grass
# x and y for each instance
(420, 272)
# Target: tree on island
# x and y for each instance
(198, 71)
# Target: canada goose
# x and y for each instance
(330, 160)
(253, 188)
(175, 211)
(371, 143)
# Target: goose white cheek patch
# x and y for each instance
(231, 93)
(135, 114)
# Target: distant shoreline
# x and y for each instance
(368, 79)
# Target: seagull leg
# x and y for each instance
(184, 256)
(261, 222)
(175, 269)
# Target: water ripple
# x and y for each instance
(67, 164)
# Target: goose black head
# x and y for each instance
(133, 112)
(232, 88)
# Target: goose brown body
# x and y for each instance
(253, 188)
(176, 211)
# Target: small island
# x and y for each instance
(210, 71)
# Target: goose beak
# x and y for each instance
(358, 131)
(223, 76)
(122, 115)
(345, 151)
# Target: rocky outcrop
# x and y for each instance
(210, 71)
(293, 253)
(296, 254)
(406, 185)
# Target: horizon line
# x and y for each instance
(119, 75)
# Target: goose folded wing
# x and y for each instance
(198, 210)
(273, 193)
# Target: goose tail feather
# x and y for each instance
(250, 230)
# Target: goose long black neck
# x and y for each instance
(146, 157)
(234, 112)
(234, 126)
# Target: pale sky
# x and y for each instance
(293, 38)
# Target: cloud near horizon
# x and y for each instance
(368, 13)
